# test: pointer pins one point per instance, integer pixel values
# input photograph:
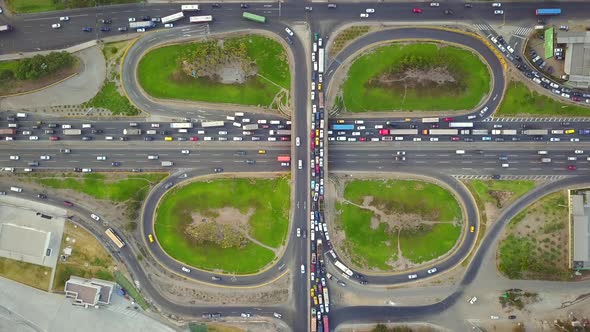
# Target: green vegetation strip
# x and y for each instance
(345, 37)
(267, 200)
(131, 290)
(161, 76)
(110, 98)
(375, 245)
(519, 100)
(378, 81)
(37, 6)
(486, 190)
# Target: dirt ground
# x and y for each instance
(425, 80)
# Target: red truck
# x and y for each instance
(8, 131)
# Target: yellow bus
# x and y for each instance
(115, 238)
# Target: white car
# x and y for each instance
(0, 10)
(472, 300)
(26, 132)
(578, 151)
(245, 315)
(64, 18)
(34, 138)
(169, 25)
(434, 139)
(45, 157)
(302, 268)
(289, 32)
(364, 15)
(298, 232)
(56, 25)
(95, 217)
(497, 4)
(434, 4)
(312, 86)
(498, 12)
(574, 139)
(140, 30)
(297, 141)
(417, 139)
(132, 19)
(101, 157)
(185, 152)
(412, 276)
(554, 139)
(187, 270)
(276, 315)
(369, 10)
(433, 270)
(222, 132)
(14, 157)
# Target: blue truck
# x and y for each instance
(548, 11)
(343, 127)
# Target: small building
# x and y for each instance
(89, 292)
(580, 231)
(577, 57)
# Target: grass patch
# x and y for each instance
(8, 65)
(89, 258)
(487, 191)
(131, 290)
(520, 100)
(36, 6)
(373, 243)
(158, 74)
(345, 37)
(268, 224)
(366, 90)
(33, 275)
(109, 98)
(535, 247)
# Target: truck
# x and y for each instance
(326, 298)
(142, 24)
(479, 132)
(326, 325)
(430, 120)
(441, 131)
(284, 158)
(72, 132)
(189, 8)
(132, 131)
(5, 28)
(167, 163)
(461, 125)
(343, 127)
(321, 98)
(535, 132)
(320, 250)
(211, 124)
(321, 60)
(403, 132)
(509, 132)
(8, 131)
(280, 132)
(181, 125)
(548, 11)
(253, 126)
(314, 324)
(172, 18)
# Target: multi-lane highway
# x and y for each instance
(359, 149)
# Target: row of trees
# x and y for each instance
(224, 236)
(38, 66)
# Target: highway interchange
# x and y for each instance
(481, 158)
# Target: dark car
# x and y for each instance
(137, 170)
(146, 18)
(86, 138)
(218, 170)
(449, 12)
(122, 29)
(106, 21)
(244, 6)
(96, 131)
(250, 161)
(123, 138)
(68, 203)
(512, 317)
(496, 177)
(105, 29)
(87, 29)
(148, 138)
(116, 163)
(217, 5)
(42, 196)
(240, 153)
(468, 5)
(77, 169)
(289, 40)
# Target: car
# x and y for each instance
(185, 151)
(105, 29)
(298, 232)
(449, 12)
(216, 278)
(498, 12)
(68, 203)
(95, 217)
(14, 157)
(56, 26)
(131, 19)
(579, 151)
(140, 30)
(364, 15)
(572, 167)
(471, 229)
(33, 138)
(472, 300)
(289, 32)
(369, 10)
(434, 4)
(308, 8)
(416, 10)
(276, 315)
(64, 18)
(169, 25)
(302, 268)
(65, 150)
(218, 170)
(434, 139)
(554, 139)
(42, 196)
(87, 29)
(185, 269)
(146, 18)
(497, 4)
(564, 27)
(122, 29)
(447, 119)
(433, 270)
(1, 11)
(574, 139)
(245, 315)
(244, 6)
(250, 161)
(512, 317)
(101, 157)
(45, 157)
(468, 5)
(412, 276)
(116, 163)
(455, 138)
(106, 21)
(151, 238)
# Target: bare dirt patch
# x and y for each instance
(417, 79)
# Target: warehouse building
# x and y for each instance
(577, 57)
(580, 230)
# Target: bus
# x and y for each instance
(548, 11)
(172, 18)
(461, 125)
(442, 131)
(284, 158)
(210, 124)
(321, 60)
(254, 17)
(201, 19)
(343, 127)
(430, 120)
(343, 268)
(188, 8)
(115, 238)
(181, 125)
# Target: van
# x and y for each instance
(505, 165)
(239, 114)
(21, 115)
(542, 152)
(460, 152)
(16, 189)
(182, 131)
(86, 125)
(168, 138)
(201, 132)
(86, 170)
(9, 169)
(230, 118)
(109, 138)
(66, 126)
(151, 132)
(300, 164)
(153, 157)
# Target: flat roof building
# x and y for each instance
(577, 57)
(580, 232)
(23, 243)
(89, 292)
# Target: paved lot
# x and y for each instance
(24, 309)
(73, 91)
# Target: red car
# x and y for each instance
(448, 119)
(312, 135)
(54, 138)
(264, 126)
(194, 138)
(455, 138)
(576, 98)
(362, 139)
(417, 10)
(312, 145)
(285, 138)
(383, 131)
(68, 203)
(572, 167)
